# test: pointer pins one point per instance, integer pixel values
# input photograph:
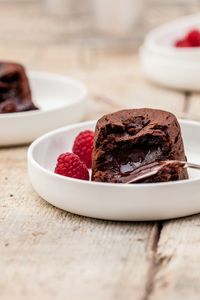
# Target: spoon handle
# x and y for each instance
(191, 165)
(156, 167)
(143, 176)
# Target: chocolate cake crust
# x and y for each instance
(128, 139)
(15, 92)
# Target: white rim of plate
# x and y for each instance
(166, 60)
(103, 184)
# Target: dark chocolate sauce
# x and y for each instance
(15, 94)
(165, 168)
(128, 162)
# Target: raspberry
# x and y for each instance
(182, 43)
(83, 146)
(193, 37)
(70, 165)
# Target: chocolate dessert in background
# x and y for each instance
(15, 93)
(129, 139)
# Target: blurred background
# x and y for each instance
(95, 41)
(45, 23)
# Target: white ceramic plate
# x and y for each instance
(161, 39)
(167, 65)
(171, 72)
(62, 101)
(113, 201)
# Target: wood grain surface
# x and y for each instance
(46, 253)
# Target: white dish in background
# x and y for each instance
(61, 99)
(113, 201)
(167, 65)
(172, 73)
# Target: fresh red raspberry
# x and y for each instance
(83, 146)
(193, 37)
(70, 165)
(182, 43)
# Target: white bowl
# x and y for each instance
(170, 66)
(62, 101)
(171, 72)
(161, 39)
(112, 201)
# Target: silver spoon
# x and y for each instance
(152, 169)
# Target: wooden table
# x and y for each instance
(46, 253)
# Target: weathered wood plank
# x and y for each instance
(114, 81)
(47, 253)
(119, 78)
(176, 274)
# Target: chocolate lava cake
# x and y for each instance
(129, 139)
(15, 93)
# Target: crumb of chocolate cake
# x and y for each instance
(128, 139)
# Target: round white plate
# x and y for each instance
(113, 201)
(61, 99)
(170, 71)
(167, 65)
